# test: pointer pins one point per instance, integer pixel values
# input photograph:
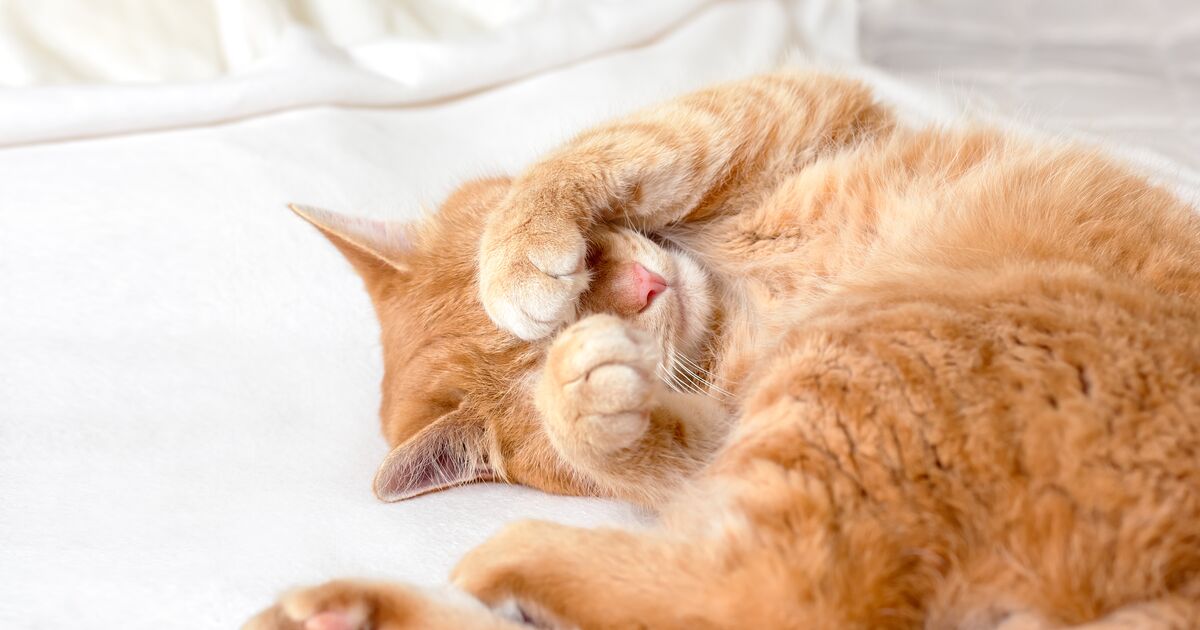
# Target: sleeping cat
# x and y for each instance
(869, 376)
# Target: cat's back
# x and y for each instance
(958, 199)
(1009, 275)
(970, 199)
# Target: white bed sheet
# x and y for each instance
(189, 383)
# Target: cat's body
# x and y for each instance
(942, 378)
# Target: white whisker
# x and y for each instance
(710, 388)
(665, 377)
(673, 376)
(664, 374)
(697, 384)
(683, 384)
(691, 363)
(690, 367)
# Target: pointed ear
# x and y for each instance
(372, 246)
(449, 452)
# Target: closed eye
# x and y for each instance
(594, 256)
(662, 241)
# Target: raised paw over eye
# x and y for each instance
(532, 271)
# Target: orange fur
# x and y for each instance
(943, 378)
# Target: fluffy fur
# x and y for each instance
(942, 378)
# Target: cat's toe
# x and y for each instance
(613, 432)
(491, 571)
(337, 605)
(598, 341)
(333, 606)
(530, 287)
(272, 618)
(333, 620)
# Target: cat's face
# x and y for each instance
(650, 284)
(457, 405)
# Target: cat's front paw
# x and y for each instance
(368, 605)
(348, 605)
(532, 270)
(599, 383)
(338, 605)
(492, 571)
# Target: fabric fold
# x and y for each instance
(306, 70)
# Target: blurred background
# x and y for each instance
(189, 375)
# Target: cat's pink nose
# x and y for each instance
(647, 285)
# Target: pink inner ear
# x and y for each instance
(447, 453)
(385, 239)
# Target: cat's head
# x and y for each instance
(457, 403)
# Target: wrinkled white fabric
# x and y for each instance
(135, 41)
(305, 68)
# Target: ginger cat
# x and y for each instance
(870, 376)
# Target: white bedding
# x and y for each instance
(189, 382)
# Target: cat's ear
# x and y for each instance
(372, 246)
(449, 452)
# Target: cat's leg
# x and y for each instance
(564, 576)
(608, 413)
(819, 571)
(1168, 613)
(364, 605)
(691, 158)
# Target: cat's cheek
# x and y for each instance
(679, 321)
